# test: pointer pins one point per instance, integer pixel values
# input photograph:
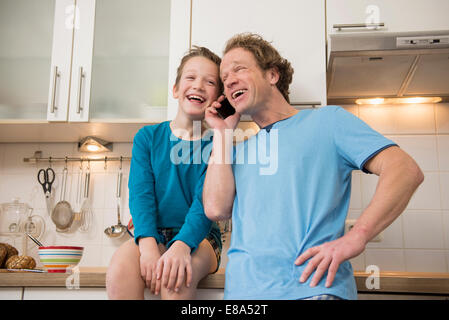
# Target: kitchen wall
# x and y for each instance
(19, 179)
(417, 241)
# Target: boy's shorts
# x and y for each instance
(167, 234)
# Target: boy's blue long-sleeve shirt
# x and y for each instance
(165, 185)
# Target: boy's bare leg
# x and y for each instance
(203, 263)
(123, 277)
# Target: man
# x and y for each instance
(288, 238)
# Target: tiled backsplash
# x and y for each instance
(417, 241)
(19, 179)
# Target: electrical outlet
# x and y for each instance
(351, 222)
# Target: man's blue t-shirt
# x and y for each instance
(293, 186)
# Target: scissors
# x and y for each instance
(46, 178)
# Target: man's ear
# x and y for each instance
(273, 75)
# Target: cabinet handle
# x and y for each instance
(53, 91)
(359, 25)
(80, 86)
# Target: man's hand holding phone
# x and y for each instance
(226, 118)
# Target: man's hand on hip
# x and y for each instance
(329, 256)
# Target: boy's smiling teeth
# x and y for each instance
(195, 97)
(238, 93)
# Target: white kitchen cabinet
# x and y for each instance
(295, 28)
(26, 33)
(11, 293)
(89, 60)
(119, 66)
(61, 293)
(179, 45)
(397, 15)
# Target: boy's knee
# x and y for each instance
(184, 293)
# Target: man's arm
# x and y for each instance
(219, 185)
(399, 177)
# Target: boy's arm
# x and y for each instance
(196, 225)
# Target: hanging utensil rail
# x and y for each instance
(74, 159)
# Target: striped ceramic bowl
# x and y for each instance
(59, 258)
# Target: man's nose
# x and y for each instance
(230, 81)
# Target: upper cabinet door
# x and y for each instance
(295, 27)
(397, 15)
(61, 58)
(179, 45)
(26, 35)
(83, 41)
(129, 72)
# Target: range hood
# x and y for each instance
(388, 65)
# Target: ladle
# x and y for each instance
(119, 229)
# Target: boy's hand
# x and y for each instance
(174, 266)
(149, 256)
(214, 120)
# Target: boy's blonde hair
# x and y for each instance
(267, 57)
(197, 51)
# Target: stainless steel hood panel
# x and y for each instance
(373, 65)
(434, 67)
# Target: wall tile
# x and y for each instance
(358, 263)
(368, 187)
(356, 192)
(385, 259)
(443, 152)
(445, 217)
(392, 236)
(400, 119)
(97, 189)
(442, 117)
(419, 260)
(23, 186)
(444, 182)
(2, 152)
(423, 149)
(13, 158)
(423, 230)
(427, 196)
(106, 254)
(91, 256)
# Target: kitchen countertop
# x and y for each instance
(390, 282)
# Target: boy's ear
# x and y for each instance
(175, 92)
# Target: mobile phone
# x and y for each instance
(226, 109)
